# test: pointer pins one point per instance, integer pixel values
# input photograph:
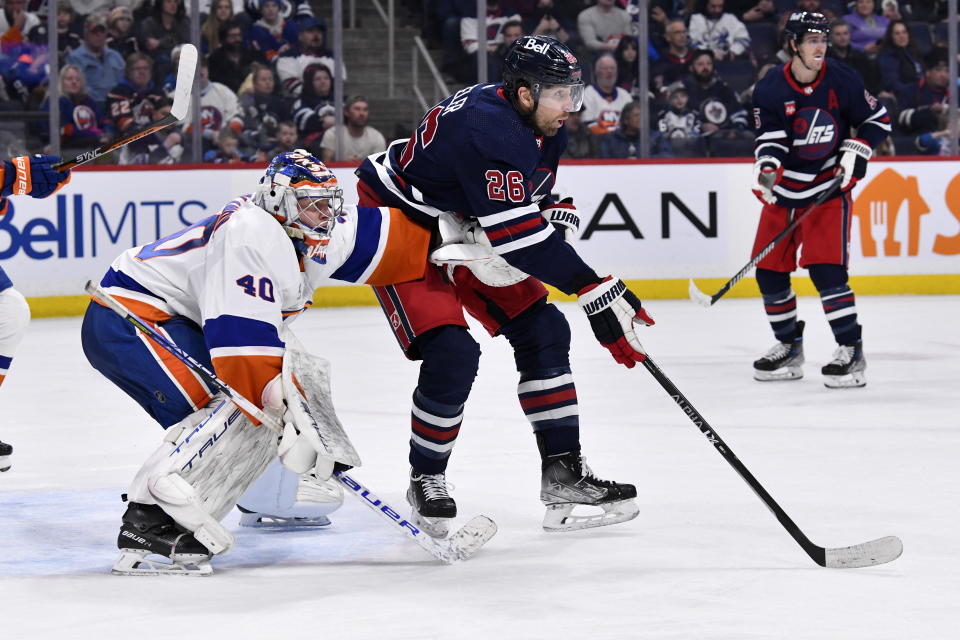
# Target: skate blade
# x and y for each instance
(5, 463)
(140, 562)
(433, 527)
(849, 381)
(783, 373)
(560, 517)
(262, 520)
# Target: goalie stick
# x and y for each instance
(461, 545)
(866, 554)
(186, 69)
(708, 301)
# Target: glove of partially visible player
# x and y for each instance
(854, 154)
(766, 173)
(300, 448)
(614, 311)
(33, 176)
(564, 217)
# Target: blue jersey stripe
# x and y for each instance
(365, 248)
(5, 362)
(115, 278)
(5, 282)
(236, 331)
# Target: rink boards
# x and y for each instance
(653, 223)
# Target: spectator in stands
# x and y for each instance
(549, 21)
(677, 124)
(271, 35)
(662, 12)
(102, 67)
(309, 50)
(603, 100)
(90, 7)
(359, 139)
(130, 103)
(890, 10)
(511, 30)
(82, 122)
(806, 5)
(219, 108)
(841, 50)
(221, 12)
(262, 110)
(162, 147)
(719, 31)
(602, 25)
(753, 10)
(923, 104)
(286, 140)
(226, 151)
(624, 141)
(580, 142)
(164, 29)
(866, 27)
(627, 69)
(675, 59)
(230, 63)
(720, 112)
(69, 29)
(313, 111)
(295, 10)
(15, 23)
(898, 61)
(496, 20)
(120, 36)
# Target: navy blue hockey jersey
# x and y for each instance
(801, 126)
(474, 155)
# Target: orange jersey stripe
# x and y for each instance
(182, 375)
(405, 254)
(248, 375)
(144, 311)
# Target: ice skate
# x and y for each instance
(847, 369)
(433, 508)
(152, 544)
(567, 482)
(783, 361)
(6, 451)
(315, 499)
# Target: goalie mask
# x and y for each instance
(300, 192)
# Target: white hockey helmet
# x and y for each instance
(302, 193)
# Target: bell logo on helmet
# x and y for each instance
(539, 47)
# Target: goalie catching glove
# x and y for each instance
(614, 311)
(300, 448)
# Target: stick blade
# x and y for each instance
(467, 540)
(868, 554)
(698, 296)
(186, 69)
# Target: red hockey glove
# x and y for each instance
(854, 154)
(613, 311)
(33, 176)
(766, 174)
(564, 218)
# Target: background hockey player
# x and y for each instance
(32, 176)
(490, 152)
(803, 115)
(222, 289)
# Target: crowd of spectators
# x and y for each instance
(705, 57)
(266, 78)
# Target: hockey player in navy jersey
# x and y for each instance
(33, 176)
(489, 153)
(803, 114)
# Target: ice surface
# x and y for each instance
(704, 559)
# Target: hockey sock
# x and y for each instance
(780, 303)
(839, 302)
(450, 360)
(540, 338)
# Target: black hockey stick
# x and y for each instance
(866, 554)
(707, 301)
(461, 545)
(186, 69)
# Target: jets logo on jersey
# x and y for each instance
(815, 133)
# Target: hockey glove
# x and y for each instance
(564, 218)
(854, 154)
(766, 173)
(614, 311)
(33, 176)
(300, 448)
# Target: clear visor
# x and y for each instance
(318, 210)
(562, 97)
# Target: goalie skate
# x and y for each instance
(432, 506)
(314, 496)
(568, 483)
(152, 544)
(784, 361)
